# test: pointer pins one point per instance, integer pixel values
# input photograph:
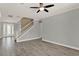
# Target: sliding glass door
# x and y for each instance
(8, 29)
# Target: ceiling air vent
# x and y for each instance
(10, 16)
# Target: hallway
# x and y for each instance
(33, 48)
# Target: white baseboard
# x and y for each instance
(28, 39)
(76, 48)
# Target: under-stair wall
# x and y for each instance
(32, 33)
(27, 29)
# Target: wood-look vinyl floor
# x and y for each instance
(34, 48)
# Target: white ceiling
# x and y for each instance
(19, 10)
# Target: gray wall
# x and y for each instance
(63, 28)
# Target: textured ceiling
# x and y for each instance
(15, 11)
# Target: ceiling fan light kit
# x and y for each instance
(42, 8)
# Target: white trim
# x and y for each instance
(27, 39)
(72, 47)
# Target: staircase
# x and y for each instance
(25, 25)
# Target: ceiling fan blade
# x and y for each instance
(34, 7)
(46, 10)
(38, 11)
(41, 4)
(49, 6)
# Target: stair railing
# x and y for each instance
(23, 30)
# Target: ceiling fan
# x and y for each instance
(42, 8)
